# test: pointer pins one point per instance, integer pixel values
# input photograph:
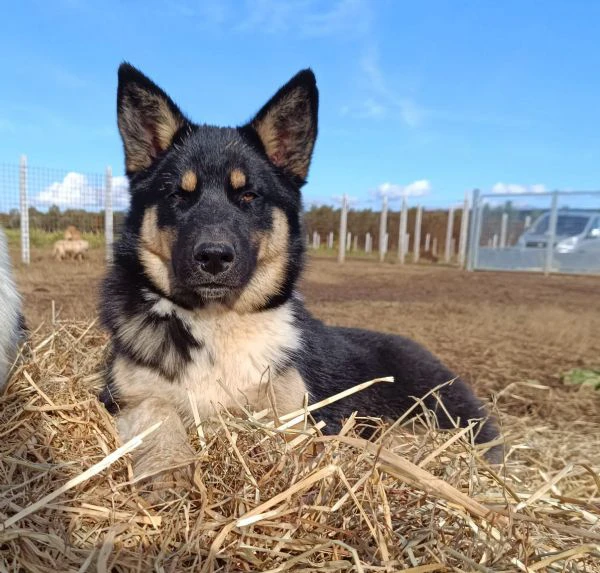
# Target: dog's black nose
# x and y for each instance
(214, 258)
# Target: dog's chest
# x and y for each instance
(238, 354)
(235, 358)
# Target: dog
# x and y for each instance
(72, 233)
(67, 248)
(201, 302)
(12, 322)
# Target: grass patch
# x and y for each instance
(583, 377)
(40, 239)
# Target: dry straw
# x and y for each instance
(268, 497)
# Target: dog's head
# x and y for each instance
(215, 212)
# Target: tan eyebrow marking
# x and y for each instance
(189, 181)
(237, 178)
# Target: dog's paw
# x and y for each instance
(168, 485)
(165, 478)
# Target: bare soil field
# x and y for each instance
(494, 329)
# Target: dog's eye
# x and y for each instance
(181, 197)
(248, 197)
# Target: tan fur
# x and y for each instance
(212, 380)
(76, 249)
(288, 143)
(189, 181)
(166, 447)
(238, 179)
(270, 268)
(72, 233)
(155, 250)
(138, 140)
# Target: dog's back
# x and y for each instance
(11, 321)
(336, 358)
(76, 248)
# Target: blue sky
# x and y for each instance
(430, 98)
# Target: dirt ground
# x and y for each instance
(504, 332)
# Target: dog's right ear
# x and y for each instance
(148, 119)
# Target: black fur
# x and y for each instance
(273, 152)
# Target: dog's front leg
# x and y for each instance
(165, 458)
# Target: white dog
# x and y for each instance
(11, 319)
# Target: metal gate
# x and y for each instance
(557, 232)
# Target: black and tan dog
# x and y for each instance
(200, 301)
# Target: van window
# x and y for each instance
(566, 225)
(595, 228)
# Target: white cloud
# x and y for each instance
(120, 193)
(417, 188)
(308, 17)
(385, 100)
(411, 113)
(368, 109)
(373, 109)
(539, 188)
(343, 17)
(79, 191)
(515, 188)
(73, 191)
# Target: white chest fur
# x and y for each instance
(234, 365)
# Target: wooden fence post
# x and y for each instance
(343, 226)
(383, 228)
(449, 230)
(417, 241)
(108, 215)
(402, 244)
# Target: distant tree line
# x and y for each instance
(323, 220)
(360, 222)
(54, 219)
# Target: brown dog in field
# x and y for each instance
(76, 249)
(72, 233)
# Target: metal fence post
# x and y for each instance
(108, 215)
(24, 210)
(551, 234)
(473, 233)
(343, 225)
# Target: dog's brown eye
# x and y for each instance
(248, 197)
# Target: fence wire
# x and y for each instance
(39, 204)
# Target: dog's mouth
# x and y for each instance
(213, 291)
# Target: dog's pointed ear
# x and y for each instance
(287, 124)
(148, 119)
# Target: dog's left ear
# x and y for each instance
(287, 124)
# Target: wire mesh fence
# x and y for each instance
(556, 232)
(407, 233)
(549, 232)
(40, 206)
